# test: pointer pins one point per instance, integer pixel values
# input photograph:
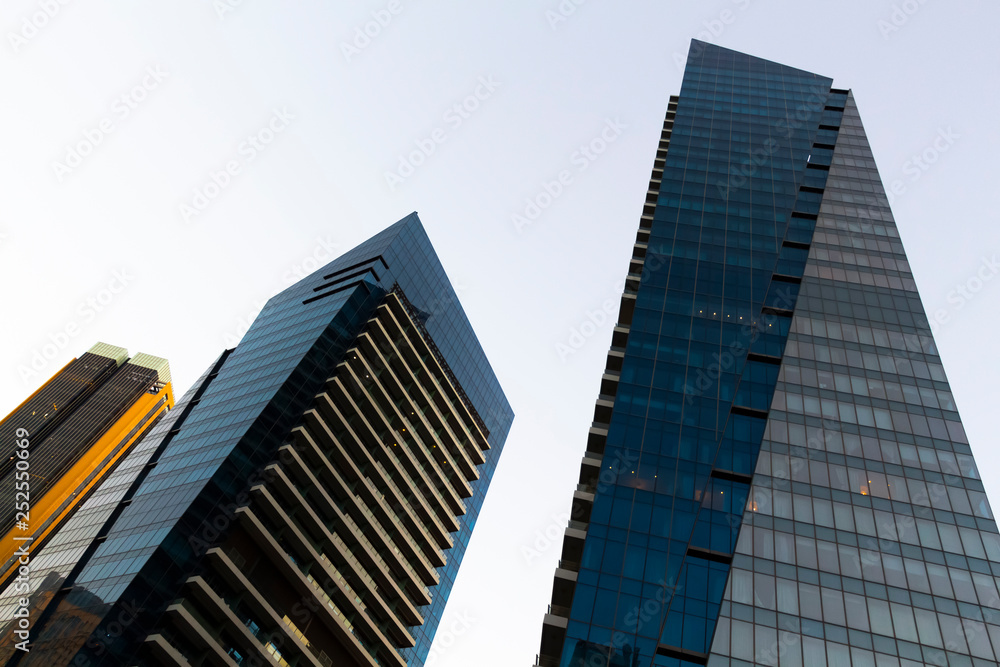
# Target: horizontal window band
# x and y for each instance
(708, 554)
(829, 108)
(828, 147)
(809, 188)
(771, 310)
(839, 91)
(370, 260)
(748, 412)
(764, 358)
(804, 216)
(821, 167)
(341, 279)
(342, 288)
(831, 128)
(682, 654)
(795, 244)
(730, 476)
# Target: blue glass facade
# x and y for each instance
(244, 416)
(763, 174)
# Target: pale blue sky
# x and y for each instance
(164, 96)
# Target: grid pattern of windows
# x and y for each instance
(44, 412)
(78, 432)
(869, 539)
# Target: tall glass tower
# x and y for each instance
(307, 502)
(776, 473)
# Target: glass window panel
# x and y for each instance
(823, 513)
(909, 454)
(742, 644)
(927, 628)
(986, 589)
(916, 575)
(950, 540)
(745, 544)
(850, 561)
(818, 473)
(866, 416)
(779, 466)
(961, 580)
(980, 505)
(938, 495)
(959, 500)
(788, 599)
(805, 551)
(894, 573)
(720, 644)
(978, 638)
(828, 558)
(885, 525)
(953, 633)
(994, 633)
(838, 478)
(761, 500)
(782, 504)
(992, 543)
(903, 623)
(947, 460)
(742, 587)
(790, 650)
(764, 458)
(813, 651)
(928, 534)
(858, 481)
(906, 529)
(763, 543)
(857, 612)
(890, 452)
(877, 485)
(833, 607)
(865, 521)
(838, 655)
(843, 517)
(878, 614)
(809, 602)
(967, 466)
(799, 468)
(939, 579)
(767, 645)
(862, 658)
(871, 565)
(971, 543)
(784, 547)
(803, 508)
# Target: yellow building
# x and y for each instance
(68, 436)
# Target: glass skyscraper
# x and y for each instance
(776, 473)
(307, 502)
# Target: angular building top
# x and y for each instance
(314, 498)
(777, 474)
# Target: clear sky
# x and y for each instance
(166, 167)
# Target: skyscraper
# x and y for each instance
(776, 473)
(72, 432)
(310, 498)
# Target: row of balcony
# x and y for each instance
(564, 584)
